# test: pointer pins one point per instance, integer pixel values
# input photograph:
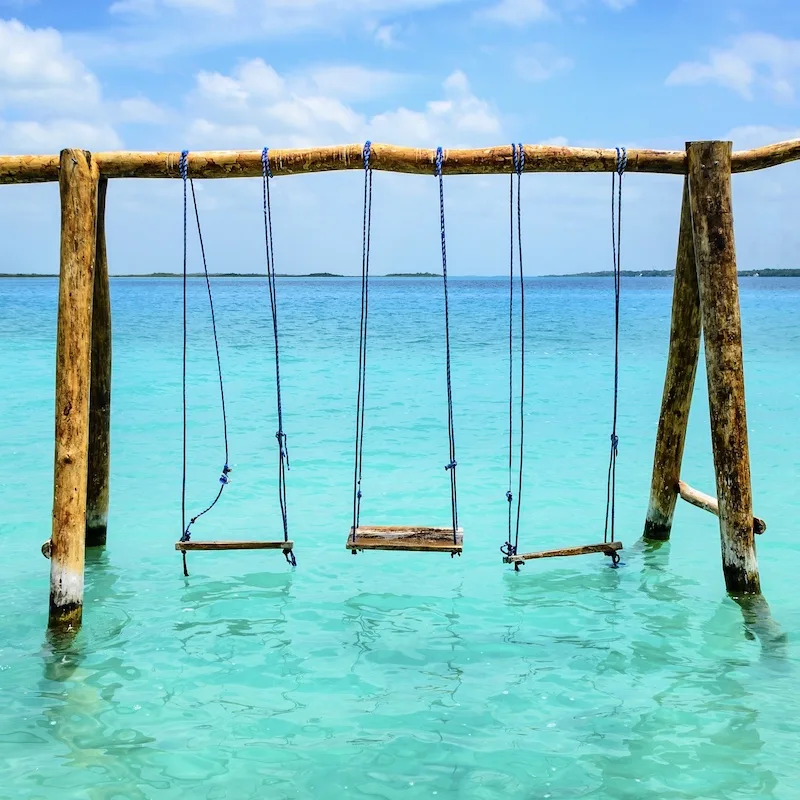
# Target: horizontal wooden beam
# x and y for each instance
(385, 157)
(604, 547)
(234, 545)
(709, 503)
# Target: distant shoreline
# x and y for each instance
(651, 273)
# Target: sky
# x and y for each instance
(244, 74)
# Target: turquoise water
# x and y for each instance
(396, 675)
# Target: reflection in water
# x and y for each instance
(759, 623)
(80, 694)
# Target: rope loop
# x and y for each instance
(439, 161)
(508, 550)
(622, 160)
(183, 164)
(518, 157)
(367, 154)
(265, 168)
(289, 554)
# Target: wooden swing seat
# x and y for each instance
(414, 538)
(606, 548)
(234, 545)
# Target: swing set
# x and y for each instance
(705, 313)
(416, 538)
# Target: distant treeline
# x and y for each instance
(669, 273)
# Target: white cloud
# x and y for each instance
(747, 137)
(35, 70)
(54, 135)
(619, 5)
(754, 60)
(214, 6)
(460, 118)
(540, 63)
(141, 110)
(519, 12)
(51, 100)
(239, 110)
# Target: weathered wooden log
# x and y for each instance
(78, 184)
(607, 548)
(414, 538)
(247, 163)
(715, 251)
(709, 503)
(235, 545)
(684, 350)
(100, 394)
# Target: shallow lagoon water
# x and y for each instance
(397, 675)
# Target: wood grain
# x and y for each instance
(715, 252)
(684, 351)
(78, 188)
(405, 537)
(385, 157)
(607, 548)
(100, 393)
(235, 545)
(708, 503)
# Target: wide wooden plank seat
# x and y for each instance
(606, 548)
(235, 545)
(405, 537)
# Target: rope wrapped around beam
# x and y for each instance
(385, 157)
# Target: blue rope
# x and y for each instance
(183, 165)
(362, 343)
(616, 248)
(452, 464)
(518, 158)
(283, 449)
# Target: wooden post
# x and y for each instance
(78, 179)
(709, 169)
(100, 394)
(684, 349)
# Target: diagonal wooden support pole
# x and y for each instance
(100, 394)
(684, 350)
(709, 170)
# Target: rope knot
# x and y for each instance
(614, 443)
(439, 161)
(508, 549)
(518, 157)
(358, 494)
(622, 160)
(452, 465)
(183, 164)
(224, 479)
(265, 168)
(509, 496)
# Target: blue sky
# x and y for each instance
(218, 74)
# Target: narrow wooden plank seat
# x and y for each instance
(234, 545)
(607, 548)
(405, 537)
